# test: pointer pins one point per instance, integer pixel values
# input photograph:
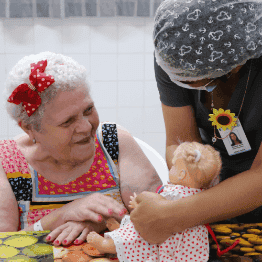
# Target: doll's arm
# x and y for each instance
(103, 245)
(112, 224)
(132, 202)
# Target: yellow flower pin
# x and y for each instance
(223, 119)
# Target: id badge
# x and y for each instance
(236, 142)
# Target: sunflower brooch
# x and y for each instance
(223, 119)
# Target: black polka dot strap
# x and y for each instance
(110, 140)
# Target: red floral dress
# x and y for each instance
(37, 196)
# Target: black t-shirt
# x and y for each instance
(250, 118)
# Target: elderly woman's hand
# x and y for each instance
(93, 208)
(72, 231)
(149, 217)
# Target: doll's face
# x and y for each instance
(172, 175)
(180, 174)
(177, 172)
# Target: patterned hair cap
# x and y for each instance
(198, 39)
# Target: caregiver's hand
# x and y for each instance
(93, 208)
(150, 219)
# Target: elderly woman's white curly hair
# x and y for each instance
(68, 75)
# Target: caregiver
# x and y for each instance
(209, 75)
(69, 172)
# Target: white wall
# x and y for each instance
(118, 54)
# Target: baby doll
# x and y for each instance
(195, 168)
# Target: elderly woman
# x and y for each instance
(68, 173)
(209, 73)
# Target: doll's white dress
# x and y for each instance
(189, 245)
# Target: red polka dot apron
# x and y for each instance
(189, 245)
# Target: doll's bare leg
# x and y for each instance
(103, 245)
(132, 202)
(112, 224)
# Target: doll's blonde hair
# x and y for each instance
(208, 159)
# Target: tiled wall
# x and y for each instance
(118, 54)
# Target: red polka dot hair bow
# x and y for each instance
(28, 94)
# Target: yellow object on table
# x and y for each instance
(25, 246)
(249, 236)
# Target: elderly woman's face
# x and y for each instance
(69, 126)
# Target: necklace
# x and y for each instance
(225, 119)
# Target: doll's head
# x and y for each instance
(195, 165)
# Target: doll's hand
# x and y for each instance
(71, 231)
(132, 202)
(150, 219)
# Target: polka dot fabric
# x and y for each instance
(22, 188)
(28, 94)
(189, 245)
(110, 140)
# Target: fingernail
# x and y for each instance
(65, 241)
(48, 238)
(110, 211)
(76, 242)
(123, 212)
(56, 242)
(100, 218)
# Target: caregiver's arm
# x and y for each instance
(234, 196)
(180, 124)
(136, 172)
